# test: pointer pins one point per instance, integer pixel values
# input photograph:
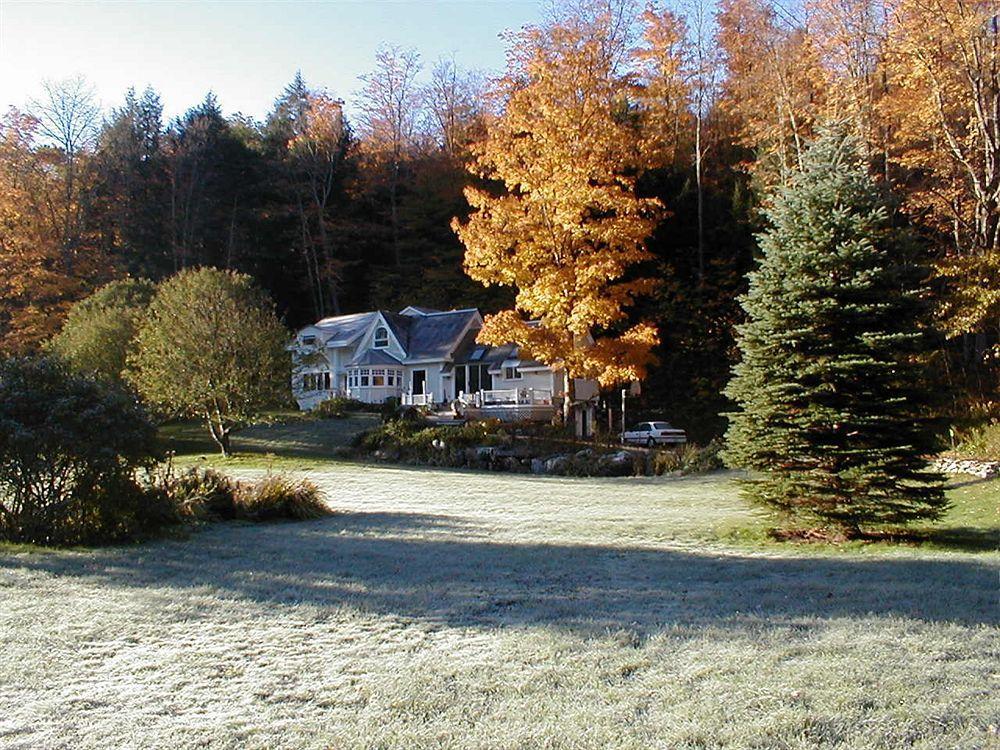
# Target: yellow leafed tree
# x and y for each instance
(943, 63)
(774, 85)
(562, 222)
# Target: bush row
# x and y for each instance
(339, 407)
(495, 445)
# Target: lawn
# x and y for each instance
(444, 609)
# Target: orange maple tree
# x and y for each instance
(559, 219)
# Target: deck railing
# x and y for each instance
(418, 399)
(490, 398)
(514, 397)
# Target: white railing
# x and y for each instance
(418, 399)
(513, 397)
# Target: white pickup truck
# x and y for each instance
(652, 434)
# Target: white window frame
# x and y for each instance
(512, 373)
(381, 338)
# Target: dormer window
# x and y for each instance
(381, 338)
(308, 341)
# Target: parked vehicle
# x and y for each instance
(652, 434)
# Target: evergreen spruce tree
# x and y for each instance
(831, 395)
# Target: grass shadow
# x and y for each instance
(395, 563)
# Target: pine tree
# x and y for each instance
(830, 391)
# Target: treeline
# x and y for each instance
(330, 215)
(335, 211)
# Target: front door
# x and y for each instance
(419, 381)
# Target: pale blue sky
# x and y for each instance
(244, 51)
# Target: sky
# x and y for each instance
(245, 52)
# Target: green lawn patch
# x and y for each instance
(297, 442)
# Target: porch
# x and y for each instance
(505, 404)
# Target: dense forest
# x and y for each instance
(335, 209)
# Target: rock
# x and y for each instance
(538, 466)
(981, 469)
(555, 464)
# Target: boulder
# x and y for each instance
(555, 464)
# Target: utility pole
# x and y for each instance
(623, 414)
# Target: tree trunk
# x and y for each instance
(394, 214)
(567, 400)
(701, 198)
(220, 435)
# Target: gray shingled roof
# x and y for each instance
(342, 329)
(373, 357)
(436, 335)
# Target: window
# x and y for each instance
(316, 381)
(512, 373)
(378, 378)
(365, 378)
(381, 338)
(390, 377)
(308, 341)
(477, 354)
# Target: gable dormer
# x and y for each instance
(384, 335)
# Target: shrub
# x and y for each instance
(689, 459)
(278, 496)
(390, 409)
(202, 494)
(338, 407)
(70, 451)
(99, 332)
(979, 442)
(415, 440)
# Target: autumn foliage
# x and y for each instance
(558, 216)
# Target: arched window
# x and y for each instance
(381, 338)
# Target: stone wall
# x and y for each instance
(983, 469)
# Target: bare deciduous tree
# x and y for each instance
(390, 109)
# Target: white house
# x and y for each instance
(425, 358)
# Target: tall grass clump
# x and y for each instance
(279, 496)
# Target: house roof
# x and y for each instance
(495, 357)
(373, 357)
(343, 329)
(436, 335)
(424, 334)
(417, 310)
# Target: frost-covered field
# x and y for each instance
(445, 610)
